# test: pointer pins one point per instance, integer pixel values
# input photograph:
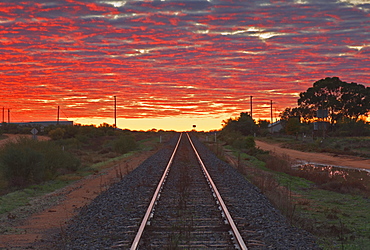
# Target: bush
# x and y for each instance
(28, 161)
(57, 134)
(293, 125)
(351, 128)
(244, 142)
(124, 144)
(22, 166)
(229, 136)
(56, 159)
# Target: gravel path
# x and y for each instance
(113, 217)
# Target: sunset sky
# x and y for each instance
(174, 63)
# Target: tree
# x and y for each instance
(341, 99)
(292, 126)
(356, 100)
(299, 113)
(263, 124)
(243, 124)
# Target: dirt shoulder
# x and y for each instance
(37, 229)
(323, 158)
(15, 137)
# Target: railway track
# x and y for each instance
(184, 212)
(187, 210)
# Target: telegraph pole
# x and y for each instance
(271, 111)
(8, 115)
(251, 106)
(115, 111)
(3, 114)
(58, 116)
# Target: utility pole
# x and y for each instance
(58, 116)
(271, 112)
(3, 114)
(251, 106)
(8, 115)
(115, 111)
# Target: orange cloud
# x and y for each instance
(172, 59)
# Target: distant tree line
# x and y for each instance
(346, 104)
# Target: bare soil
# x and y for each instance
(37, 230)
(14, 137)
(323, 158)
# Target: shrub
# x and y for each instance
(56, 159)
(244, 142)
(57, 134)
(27, 161)
(124, 144)
(22, 166)
(292, 126)
(351, 128)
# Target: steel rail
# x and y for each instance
(152, 203)
(238, 238)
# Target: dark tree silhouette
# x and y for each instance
(303, 114)
(243, 124)
(341, 99)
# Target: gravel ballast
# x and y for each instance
(112, 219)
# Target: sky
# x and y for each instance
(173, 64)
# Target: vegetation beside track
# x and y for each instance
(331, 118)
(337, 216)
(92, 149)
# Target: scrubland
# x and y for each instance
(333, 207)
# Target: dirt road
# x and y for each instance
(328, 159)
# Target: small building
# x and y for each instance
(275, 127)
(43, 123)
